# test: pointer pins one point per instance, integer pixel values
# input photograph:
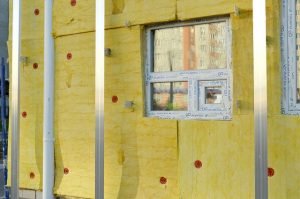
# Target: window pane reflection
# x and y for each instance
(213, 95)
(170, 96)
(194, 47)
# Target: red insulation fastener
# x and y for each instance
(163, 180)
(73, 2)
(271, 172)
(24, 114)
(66, 171)
(36, 11)
(198, 164)
(35, 65)
(114, 99)
(31, 175)
(69, 56)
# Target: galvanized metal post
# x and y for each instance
(260, 99)
(16, 31)
(99, 94)
(48, 134)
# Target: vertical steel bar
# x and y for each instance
(99, 101)
(260, 98)
(16, 31)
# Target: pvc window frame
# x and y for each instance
(222, 77)
(289, 58)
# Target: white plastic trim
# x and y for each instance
(223, 77)
(289, 58)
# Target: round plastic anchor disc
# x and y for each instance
(35, 65)
(31, 175)
(66, 171)
(114, 99)
(69, 56)
(271, 172)
(24, 114)
(163, 180)
(73, 2)
(198, 164)
(36, 11)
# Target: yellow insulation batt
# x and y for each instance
(75, 19)
(138, 150)
(134, 12)
(225, 148)
(187, 9)
(74, 115)
(31, 116)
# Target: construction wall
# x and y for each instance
(140, 150)
(147, 157)
(226, 149)
(74, 31)
(283, 134)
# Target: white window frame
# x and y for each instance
(193, 77)
(289, 58)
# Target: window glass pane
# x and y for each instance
(213, 95)
(298, 47)
(170, 96)
(195, 47)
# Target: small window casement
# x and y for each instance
(188, 70)
(290, 52)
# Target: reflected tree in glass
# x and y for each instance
(169, 96)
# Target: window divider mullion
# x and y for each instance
(193, 95)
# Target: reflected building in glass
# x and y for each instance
(190, 48)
